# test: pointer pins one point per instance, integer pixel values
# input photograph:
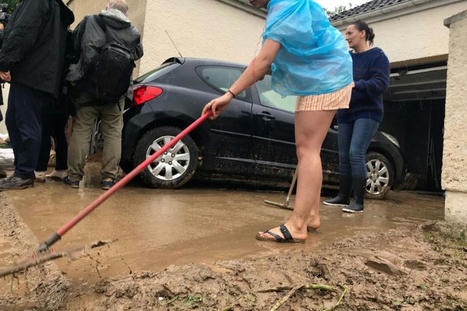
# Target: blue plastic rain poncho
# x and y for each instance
(314, 57)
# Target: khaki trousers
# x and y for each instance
(111, 117)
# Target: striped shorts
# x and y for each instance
(339, 99)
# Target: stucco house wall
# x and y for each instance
(199, 28)
(454, 177)
(414, 36)
(418, 36)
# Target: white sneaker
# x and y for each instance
(59, 175)
(40, 176)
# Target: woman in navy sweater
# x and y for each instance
(359, 123)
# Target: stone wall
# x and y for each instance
(454, 176)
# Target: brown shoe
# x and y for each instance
(2, 174)
(14, 183)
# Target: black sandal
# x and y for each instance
(287, 237)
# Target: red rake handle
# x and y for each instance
(57, 235)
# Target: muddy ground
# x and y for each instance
(411, 267)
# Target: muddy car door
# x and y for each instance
(228, 147)
(329, 151)
(273, 131)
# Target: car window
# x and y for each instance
(220, 77)
(272, 99)
(156, 73)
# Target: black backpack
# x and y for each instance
(113, 70)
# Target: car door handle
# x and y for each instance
(266, 116)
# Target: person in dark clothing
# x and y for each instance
(33, 53)
(54, 121)
(359, 123)
(94, 32)
(2, 28)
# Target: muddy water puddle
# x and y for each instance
(155, 228)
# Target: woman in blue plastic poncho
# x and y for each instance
(308, 58)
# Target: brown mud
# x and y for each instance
(39, 288)
(412, 266)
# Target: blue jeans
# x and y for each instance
(353, 140)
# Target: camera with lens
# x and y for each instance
(4, 15)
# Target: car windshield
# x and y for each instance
(156, 73)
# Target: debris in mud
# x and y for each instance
(412, 267)
(38, 259)
(41, 288)
(417, 270)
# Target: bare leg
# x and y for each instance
(311, 128)
(314, 221)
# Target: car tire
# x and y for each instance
(174, 169)
(380, 172)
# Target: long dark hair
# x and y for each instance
(361, 25)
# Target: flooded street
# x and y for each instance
(155, 228)
(195, 248)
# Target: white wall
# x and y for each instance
(199, 28)
(416, 36)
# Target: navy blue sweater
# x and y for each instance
(371, 72)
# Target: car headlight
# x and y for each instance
(391, 138)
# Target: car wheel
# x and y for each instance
(380, 175)
(172, 169)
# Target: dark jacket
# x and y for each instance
(34, 44)
(371, 73)
(89, 38)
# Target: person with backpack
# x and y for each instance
(106, 46)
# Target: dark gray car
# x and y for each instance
(252, 140)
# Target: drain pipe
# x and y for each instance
(383, 14)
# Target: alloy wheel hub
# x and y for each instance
(378, 176)
(173, 163)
